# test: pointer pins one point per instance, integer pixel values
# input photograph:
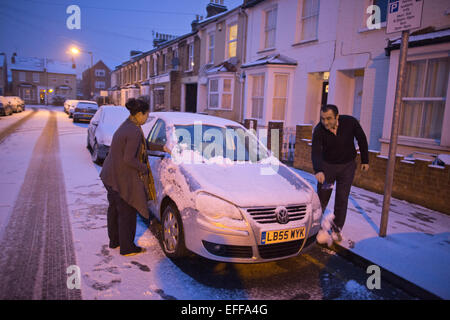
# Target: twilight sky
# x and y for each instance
(109, 28)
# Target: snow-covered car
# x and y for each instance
(222, 195)
(67, 105)
(16, 103)
(5, 109)
(83, 110)
(101, 130)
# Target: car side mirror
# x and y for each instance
(157, 150)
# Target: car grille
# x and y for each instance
(277, 250)
(267, 215)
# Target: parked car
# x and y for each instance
(84, 110)
(222, 195)
(67, 105)
(73, 103)
(105, 122)
(5, 110)
(16, 103)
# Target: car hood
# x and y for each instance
(246, 185)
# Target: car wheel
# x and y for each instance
(95, 158)
(172, 233)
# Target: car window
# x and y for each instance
(158, 133)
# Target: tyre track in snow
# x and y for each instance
(14, 126)
(37, 244)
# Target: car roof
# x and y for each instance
(85, 101)
(189, 118)
(112, 107)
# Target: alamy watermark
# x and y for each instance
(73, 277)
(374, 280)
(374, 19)
(73, 21)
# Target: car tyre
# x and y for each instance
(173, 233)
(94, 155)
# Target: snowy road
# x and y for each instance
(53, 214)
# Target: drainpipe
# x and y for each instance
(243, 58)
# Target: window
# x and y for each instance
(232, 41)
(100, 85)
(155, 65)
(280, 96)
(309, 20)
(100, 73)
(424, 98)
(190, 62)
(270, 28)
(211, 38)
(158, 95)
(67, 81)
(36, 77)
(213, 92)
(21, 76)
(257, 96)
(220, 93)
(164, 62)
(158, 133)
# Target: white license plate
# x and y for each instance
(269, 237)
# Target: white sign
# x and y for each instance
(103, 93)
(404, 15)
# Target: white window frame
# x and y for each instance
(22, 76)
(100, 84)
(301, 21)
(424, 99)
(228, 41)
(285, 97)
(210, 52)
(190, 61)
(100, 73)
(221, 92)
(261, 97)
(36, 77)
(268, 28)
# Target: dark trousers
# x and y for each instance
(343, 175)
(121, 220)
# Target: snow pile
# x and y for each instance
(324, 234)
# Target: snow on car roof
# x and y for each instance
(188, 118)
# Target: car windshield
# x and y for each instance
(115, 117)
(232, 142)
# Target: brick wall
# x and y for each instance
(415, 181)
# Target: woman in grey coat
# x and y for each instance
(128, 179)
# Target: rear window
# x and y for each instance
(115, 117)
(83, 105)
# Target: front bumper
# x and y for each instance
(240, 241)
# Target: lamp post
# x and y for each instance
(75, 51)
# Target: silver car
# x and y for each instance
(222, 195)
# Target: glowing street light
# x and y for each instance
(74, 50)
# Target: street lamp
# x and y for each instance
(75, 51)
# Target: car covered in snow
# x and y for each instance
(15, 103)
(83, 110)
(101, 129)
(222, 195)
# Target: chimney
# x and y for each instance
(215, 7)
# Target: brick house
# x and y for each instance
(95, 79)
(39, 80)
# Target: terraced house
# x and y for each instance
(275, 62)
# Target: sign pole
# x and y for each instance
(394, 133)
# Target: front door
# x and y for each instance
(191, 97)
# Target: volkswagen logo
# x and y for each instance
(282, 215)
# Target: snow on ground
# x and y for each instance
(417, 246)
(16, 151)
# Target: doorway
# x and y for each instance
(324, 93)
(191, 97)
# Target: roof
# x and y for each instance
(276, 59)
(188, 118)
(422, 39)
(38, 64)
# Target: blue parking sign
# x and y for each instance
(393, 6)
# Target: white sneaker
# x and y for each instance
(323, 237)
(336, 236)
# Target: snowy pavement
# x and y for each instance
(417, 245)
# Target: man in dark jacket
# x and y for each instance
(333, 157)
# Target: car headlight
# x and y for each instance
(316, 207)
(216, 208)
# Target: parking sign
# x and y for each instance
(404, 15)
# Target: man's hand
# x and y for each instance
(320, 177)
(365, 167)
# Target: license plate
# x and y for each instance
(269, 237)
